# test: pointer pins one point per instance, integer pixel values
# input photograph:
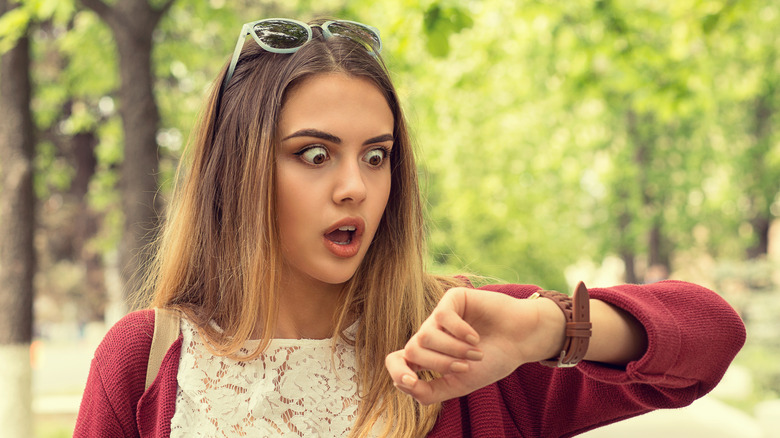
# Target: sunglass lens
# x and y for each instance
(281, 34)
(357, 33)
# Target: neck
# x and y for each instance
(307, 309)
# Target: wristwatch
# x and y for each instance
(578, 326)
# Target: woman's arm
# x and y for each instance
(617, 337)
(476, 337)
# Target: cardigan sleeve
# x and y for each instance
(693, 335)
(116, 379)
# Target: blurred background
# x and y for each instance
(607, 141)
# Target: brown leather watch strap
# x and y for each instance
(578, 326)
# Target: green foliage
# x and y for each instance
(13, 25)
(52, 173)
(91, 70)
(549, 132)
(441, 21)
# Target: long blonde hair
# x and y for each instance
(219, 254)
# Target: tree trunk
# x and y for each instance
(625, 242)
(629, 276)
(658, 245)
(17, 255)
(761, 196)
(81, 153)
(132, 23)
(138, 180)
(627, 253)
(760, 225)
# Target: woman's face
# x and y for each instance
(333, 175)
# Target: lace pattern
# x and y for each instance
(291, 390)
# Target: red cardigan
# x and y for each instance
(692, 337)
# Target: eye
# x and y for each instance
(314, 155)
(376, 157)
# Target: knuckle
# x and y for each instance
(440, 317)
(389, 359)
(456, 290)
(440, 366)
(410, 355)
(451, 291)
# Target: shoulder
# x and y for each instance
(116, 378)
(125, 348)
(131, 333)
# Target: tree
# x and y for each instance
(745, 34)
(73, 83)
(651, 83)
(17, 222)
(132, 22)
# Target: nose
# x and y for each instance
(350, 185)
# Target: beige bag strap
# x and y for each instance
(166, 331)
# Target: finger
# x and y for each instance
(400, 371)
(454, 324)
(444, 343)
(425, 359)
(449, 315)
(437, 390)
(434, 391)
(406, 381)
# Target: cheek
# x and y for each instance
(383, 196)
(288, 205)
(386, 198)
(387, 186)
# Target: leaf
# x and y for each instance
(709, 23)
(438, 44)
(439, 22)
(13, 24)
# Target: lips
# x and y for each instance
(343, 238)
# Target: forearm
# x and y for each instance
(618, 338)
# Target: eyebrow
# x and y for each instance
(316, 133)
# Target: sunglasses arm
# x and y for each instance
(236, 53)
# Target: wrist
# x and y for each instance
(552, 325)
(578, 328)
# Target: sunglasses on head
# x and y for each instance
(285, 35)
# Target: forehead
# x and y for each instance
(336, 102)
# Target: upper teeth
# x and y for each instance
(347, 228)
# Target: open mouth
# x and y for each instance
(342, 235)
(345, 236)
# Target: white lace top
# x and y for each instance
(291, 390)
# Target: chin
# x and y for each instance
(334, 278)
(337, 274)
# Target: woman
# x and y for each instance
(294, 253)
